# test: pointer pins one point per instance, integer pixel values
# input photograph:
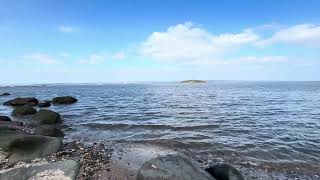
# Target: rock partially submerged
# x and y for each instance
(44, 104)
(224, 172)
(64, 100)
(5, 94)
(62, 170)
(44, 116)
(48, 130)
(29, 147)
(171, 167)
(4, 118)
(21, 101)
(23, 110)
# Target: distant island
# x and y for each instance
(193, 81)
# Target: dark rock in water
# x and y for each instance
(21, 101)
(29, 147)
(48, 130)
(44, 104)
(5, 94)
(67, 169)
(44, 116)
(171, 167)
(224, 172)
(23, 110)
(64, 100)
(4, 118)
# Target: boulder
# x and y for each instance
(171, 167)
(4, 118)
(44, 104)
(48, 130)
(21, 101)
(10, 123)
(64, 100)
(8, 134)
(5, 94)
(224, 172)
(67, 169)
(29, 147)
(44, 116)
(23, 110)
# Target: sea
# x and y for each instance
(260, 122)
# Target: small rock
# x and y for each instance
(5, 94)
(64, 100)
(224, 172)
(44, 104)
(23, 110)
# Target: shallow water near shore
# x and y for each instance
(264, 123)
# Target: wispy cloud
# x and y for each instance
(39, 58)
(304, 34)
(98, 58)
(66, 29)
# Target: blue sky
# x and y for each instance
(56, 41)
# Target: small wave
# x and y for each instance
(148, 126)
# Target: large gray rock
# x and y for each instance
(22, 101)
(64, 100)
(48, 130)
(29, 147)
(62, 170)
(44, 116)
(10, 123)
(7, 135)
(4, 118)
(23, 110)
(224, 172)
(171, 167)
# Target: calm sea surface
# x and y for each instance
(256, 121)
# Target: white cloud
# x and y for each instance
(306, 34)
(39, 58)
(66, 29)
(93, 59)
(189, 43)
(261, 59)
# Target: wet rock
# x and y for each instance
(44, 104)
(29, 147)
(44, 116)
(8, 134)
(4, 118)
(67, 169)
(48, 130)
(5, 94)
(23, 110)
(21, 101)
(64, 100)
(224, 172)
(171, 167)
(10, 123)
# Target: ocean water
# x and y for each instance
(277, 122)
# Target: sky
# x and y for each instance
(101, 41)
